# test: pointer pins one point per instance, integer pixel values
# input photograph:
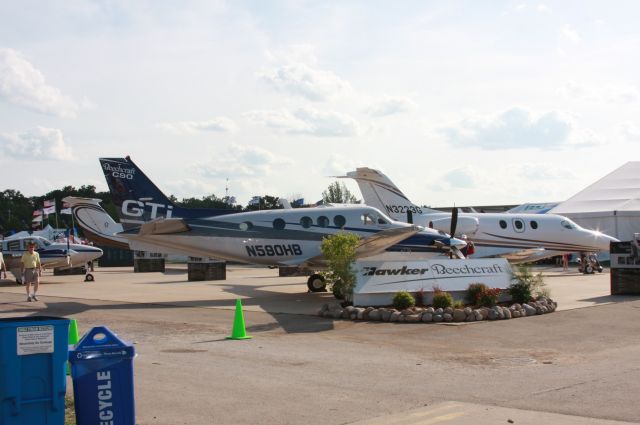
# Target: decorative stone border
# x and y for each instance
(431, 315)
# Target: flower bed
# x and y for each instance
(436, 315)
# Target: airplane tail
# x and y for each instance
(96, 223)
(379, 191)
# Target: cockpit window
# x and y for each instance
(368, 219)
(568, 224)
(382, 221)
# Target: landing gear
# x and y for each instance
(316, 283)
(588, 264)
(88, 277)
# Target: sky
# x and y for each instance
(458, 102)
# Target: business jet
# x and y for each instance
(516, 237)
(52, 254)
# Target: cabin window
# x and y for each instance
(323, 221)
(306, 222)
(518, 224)
(534, 224)
(13, 246)
(503, 224)
(245, 225)
(339, 221)
(279, 224)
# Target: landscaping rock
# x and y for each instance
(468, 311)
(429, 310)
(459, 315)
(375, 315)
(492, 315)
(412, 318)
(437, 318)
(516, 313)
(386, 315)
(447, 317)
(395, 316)
(448, 310)
(427, 317)
(507, 313)
(439, 311)
(531, 311)
(478, 315)
(360, 314)
(484, 311)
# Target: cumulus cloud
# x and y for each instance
(391, 106)
(242, 161)
(23, 85)
(568, 33)
(187, 188)
(462, 178)
(338, 165)
(513, 129)
(629, 131)
(299, 79)
(40, 143)
(617, 94)
(217, 124)
(306, 121)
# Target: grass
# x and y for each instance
(69, 411)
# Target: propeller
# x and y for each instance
(454, 250)
(454, 221)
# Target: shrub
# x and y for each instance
(441, 299)
(458, 304)
(339, 250)
(488, 297)
(419, 297)
(403, 300)
(525, 284)
(473, 290)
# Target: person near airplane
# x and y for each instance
(31, 270)
(3, 267)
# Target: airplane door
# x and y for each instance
(518, 225)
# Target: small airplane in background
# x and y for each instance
(516, 237)
(52, 254)
(282, 237)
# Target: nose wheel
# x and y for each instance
(316, 283)
(88, 277)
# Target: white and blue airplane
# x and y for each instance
(52, 254)
(517, 237)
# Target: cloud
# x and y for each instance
(629, 131)
(391, 106)
(461, 178)
(306, 121)
(568, 33)
(299, 79)
(218, 124)
(40, 143)
(242, 161)
(513, 129)
(23, 85)
(616, 94)
(338, 165)
(187, 188)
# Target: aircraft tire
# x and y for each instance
(588, 269)
(88, 277)
(316, 283)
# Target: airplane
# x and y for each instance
(517, 237)
(52, 254)
(151, 222)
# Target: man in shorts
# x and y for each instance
(3, 266)
(31, 271)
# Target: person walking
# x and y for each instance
(565, 262)
(3, 266)
(31, 270)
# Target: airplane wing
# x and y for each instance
(382, 240)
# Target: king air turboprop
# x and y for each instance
(516, 237)
(283, 237)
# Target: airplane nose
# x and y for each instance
(604, 241)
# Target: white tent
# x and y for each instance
(610, 205)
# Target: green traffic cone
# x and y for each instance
(239, 331)
(73, 339)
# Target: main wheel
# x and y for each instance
(316, 283)
(588, 269)
(88, 277)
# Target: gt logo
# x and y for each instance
(134, 208)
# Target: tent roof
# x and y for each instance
(617, 191)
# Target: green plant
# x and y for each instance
(419, 297)
(473, 290)
(525, 284)
(441, 299)
(488, 297)
(457, 304)
(403, 300)
(339, 250)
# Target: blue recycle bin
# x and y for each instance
(102, 373)
(33, 381)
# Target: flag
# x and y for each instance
(66, 211)
(297, 202)
(49, 210)
(37, 219)
(37, 213)
(49, 203)
(254, 201)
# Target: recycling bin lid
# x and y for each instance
(7, 321)
(101, 343)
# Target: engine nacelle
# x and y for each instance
(466, 225)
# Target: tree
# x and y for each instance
(266, 202)
(337, 193)
(339, 251)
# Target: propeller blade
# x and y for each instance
(457, 252)
(454, 221)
